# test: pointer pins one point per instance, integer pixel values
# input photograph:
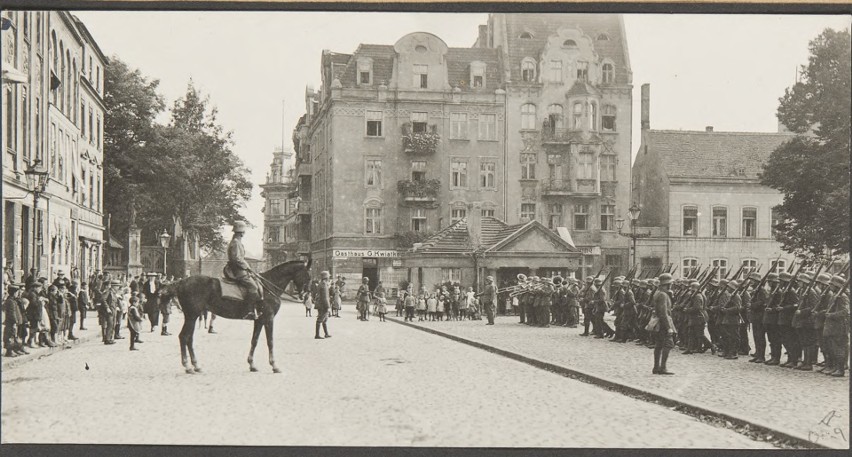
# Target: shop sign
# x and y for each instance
(396, 263)
(377, 253)
(590, 250)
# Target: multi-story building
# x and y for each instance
(393, 131)
(278, 208)
(53, 116)
(568, 124)
(701, 199)
(531, 123)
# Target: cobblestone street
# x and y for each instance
(372, 384)
(788, 400)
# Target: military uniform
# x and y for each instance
(663, 340)
(730, 312)
(819, 319)
(696, 319)
(323, 305)
(588, 307)
(770, 321)
(756, 309)
(786, 309)
(237, 269)
(110, 307)
(836, 330)
(803, 323)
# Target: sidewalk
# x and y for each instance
(789, 402)
(92, 333)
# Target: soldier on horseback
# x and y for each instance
(238, 270)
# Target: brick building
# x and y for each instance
(53, 117)
(701, 198)
(531, 123)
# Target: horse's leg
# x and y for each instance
(192, 358)
(184, 340)
(254, 337)
(268, 326)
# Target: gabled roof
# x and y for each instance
(495, 235)
(728, 155)
(543, 25)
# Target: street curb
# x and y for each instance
(689, 408)
(44, 352)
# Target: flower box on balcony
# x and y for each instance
(420, 142)
(423, 190)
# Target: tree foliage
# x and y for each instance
(184, 169)
(812, 170)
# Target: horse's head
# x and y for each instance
(166, 292)
(302, 278)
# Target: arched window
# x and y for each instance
(76, 95)
(556, 115)
(525, 36)
(571, 44)
(69, 89)
(577, 113)
(593, 116)
(607, 73)
(62, 77)
(528, 116)
(528, 70)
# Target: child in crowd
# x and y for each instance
(410, 303)
(83, 303)
(381, 308)
(134, 322)
(440, 307)
(431, 306)
(421, 305)
(400, 303)
(309, 304)
(467, 302)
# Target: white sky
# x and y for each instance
(727, 71)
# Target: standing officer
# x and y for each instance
(239, 270)
(364, 298)
(489, 296)
(696, 318)
(731, 320)
(322, 304)
(588, 307)
(836, 331)
(770, 319)
(786, 307)
(572, 293)
(756, 308)
(664, 332)
(599, 303)
(803, 322)
(823, 279)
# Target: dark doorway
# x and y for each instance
(371, 270)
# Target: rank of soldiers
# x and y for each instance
(799, 312)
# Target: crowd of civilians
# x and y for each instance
(38, 312)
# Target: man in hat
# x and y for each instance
(588, 307)
(110, 307)
(730, 311)
(239, 270)
(488, 299)
(836, 331)
(803, 321)
(695, 318)
(756, 308)
(322, 304)
(664, 334)
(770, 319)
(13, 320)
(31, 278)
(786, 308)
(824, 279)
(572, 293)
(152, 306)
(599, 309)
(364, 297)
(61, 280)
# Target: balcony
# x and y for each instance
(556, 187)
(553, 135)
(588, 187)
(425, 190)
(420, 143)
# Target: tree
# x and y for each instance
(132, 103)
(186, 168)
(812, 170)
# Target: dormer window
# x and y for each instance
(365, 72)
(477, 75)
(570, 44)
(421, 76)
(528, 70)
(607, 73)
(603, 37)
(526, 36)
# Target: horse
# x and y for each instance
(198, 294)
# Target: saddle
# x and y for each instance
(231, 289)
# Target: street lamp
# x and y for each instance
(633, 214)
(164, 242)
(37, 183)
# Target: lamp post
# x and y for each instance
(164, 242)
(37, 182)
(633, 214)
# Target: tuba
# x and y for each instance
(522, 277)
(557, 280)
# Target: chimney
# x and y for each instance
(708, 129)
(482, 41)
(646, 106)
(474, 224)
